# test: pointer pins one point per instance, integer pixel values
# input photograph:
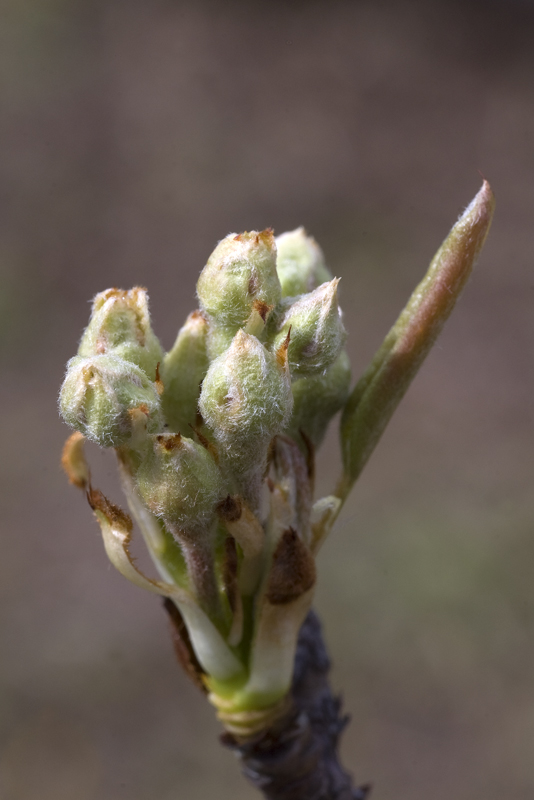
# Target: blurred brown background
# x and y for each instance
(135, 135)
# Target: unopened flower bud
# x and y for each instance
(240, 272)
(300, 263)
(246, 399)
(183, 371)
(120, 326)
(317, 399)
(317, 331)
(180, 482)
(107, 399)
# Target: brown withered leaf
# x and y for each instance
(183, 647)
(230, 509)
(293, 571)
(114, 514)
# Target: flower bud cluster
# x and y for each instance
(216, 439)
(265, 343)
(199, 432)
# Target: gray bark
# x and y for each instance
(297, 759)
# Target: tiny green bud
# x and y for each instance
(180, 482)
(317, 399)
(300, 263)
(109, 399)
(240, 272)
(246, 399)
(317, 331)
(120, 326)
(183, 371)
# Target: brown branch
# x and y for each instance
(297, 759)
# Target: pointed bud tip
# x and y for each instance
(482, 205)
(281, 351)
(329, 290)
(469, 234)
(479, 212)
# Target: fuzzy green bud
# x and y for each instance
(317, 399)
(240, 274)
(300, 263)
(180, 482)
(182, 372)
(317, 331)
(109, 400)
(120, 326)
(246, 399)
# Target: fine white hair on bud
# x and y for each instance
(108, 399)
(300, 263)
(317, 331)
(246, 399)
(180, 482)
(240, 274)
(120, 326)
